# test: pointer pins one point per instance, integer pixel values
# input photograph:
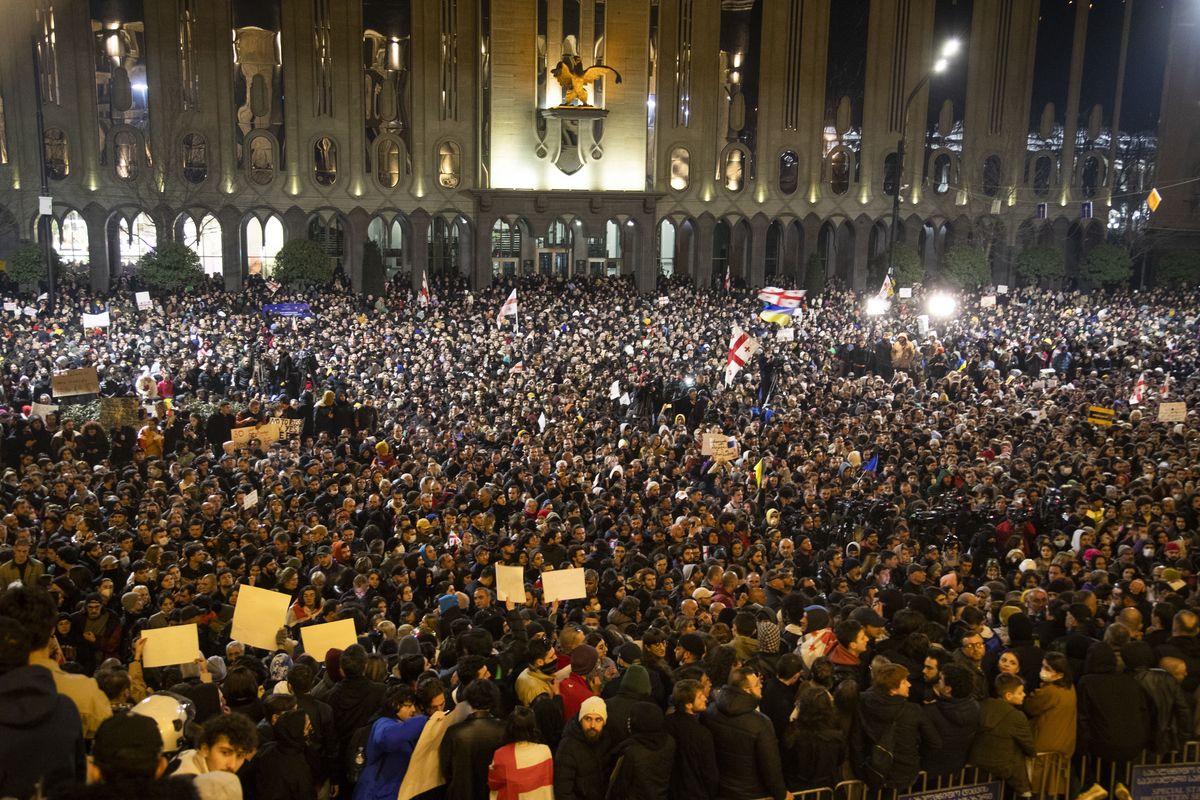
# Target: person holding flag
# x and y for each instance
(783, 298)
(509, 309)
(423, 295)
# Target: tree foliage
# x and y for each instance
(170, 267)
(814, 274)
(966, 267)
(1106, 264)
(908, 266)
(27, 265)
(1178, 268)
(302, 262)
(1041, 262)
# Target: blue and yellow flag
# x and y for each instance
(780, 315)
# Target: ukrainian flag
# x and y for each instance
(780, 315)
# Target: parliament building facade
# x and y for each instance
(743, 137)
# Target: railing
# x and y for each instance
(1054, 775)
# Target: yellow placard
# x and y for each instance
(1153, 200)
(1099, 415)
(563, 584)
(265, 433)
(166, 647)
(1172, 412)
(318, 639)
(258, 616)
(510, 583)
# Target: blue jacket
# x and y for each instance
(389, 749)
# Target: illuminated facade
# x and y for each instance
(744, 135)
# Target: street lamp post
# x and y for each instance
(949, 50)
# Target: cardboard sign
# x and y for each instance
(723, 450)
(250, 500)
(118, 412)
(166, 647)
(510, 583)
(706, 442)
(786, 335)
(987, 301)
(42, 410)
(318, 639)
(288, 428)
(143, 301)
(75, 382)
(563, 584)
(266, 434)
(258, 616)
(1172, 412)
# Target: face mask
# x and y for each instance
(1148, 552)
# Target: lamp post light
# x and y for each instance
(949, 50)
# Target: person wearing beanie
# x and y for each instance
(644, 759)
(577, 686)
(581, 761)
(634, 689)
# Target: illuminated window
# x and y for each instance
(206, 242)
(680, 169)
(325, 161)
(734, 170)
(125, 155)
(263, 243)
(71, 239)
(388, 157)
(941, 174)
(839, 171)
(789, 172)
(137, 238)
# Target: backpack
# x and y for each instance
(876, 767)
(356, 753)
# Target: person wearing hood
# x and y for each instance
(1114, 713)
(819, 639)
(643, 768)
(41, 737)
(955, 715)
(634, 689)
(890, 732)
(581, 761)
(281, 770)
(747, 750)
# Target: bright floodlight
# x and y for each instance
(877, 306)
(951, 47)
(940, 65)
(941, 304)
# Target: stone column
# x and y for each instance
(232, 269)
(98, 266)
(703, 249)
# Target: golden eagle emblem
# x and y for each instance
(574, 79)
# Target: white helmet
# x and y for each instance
(173, 715)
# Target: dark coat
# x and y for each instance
(747, 750)
(466, 752)
(644, 760)
(812, 755)
(1003, 742)
(1171, 713)
(1113, 712)
(694, 772)
(580, 766)
(354, 701)
(778, 701)
(41, 737)
(877, 714)
(956, 721)
(281, 770)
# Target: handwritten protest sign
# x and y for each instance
(317, 639)
(250, 500)
(75, 382)
(1172, 412)
(143, 300)
(266, 434)
(288, 428)
(258, 616)
(42, 410)
(563, 584)
(987, 301)
(166, 647)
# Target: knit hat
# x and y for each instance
(768, 637)
(693, 643)
(636, 680)
(593, 705)
(817, 618)
(584, 659)
(645, 718)
(217, 668)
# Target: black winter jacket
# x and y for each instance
(877, 713)
(580, 766)
(466, 752)
(956, 721)
(694, 774)
(747, 750)
(1113, 718)
(41, 737)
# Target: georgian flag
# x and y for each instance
(741, 347)
(786, 298)
(509, 309)
(423, 295)
(1139, 391)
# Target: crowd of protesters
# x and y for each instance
(924, 551)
